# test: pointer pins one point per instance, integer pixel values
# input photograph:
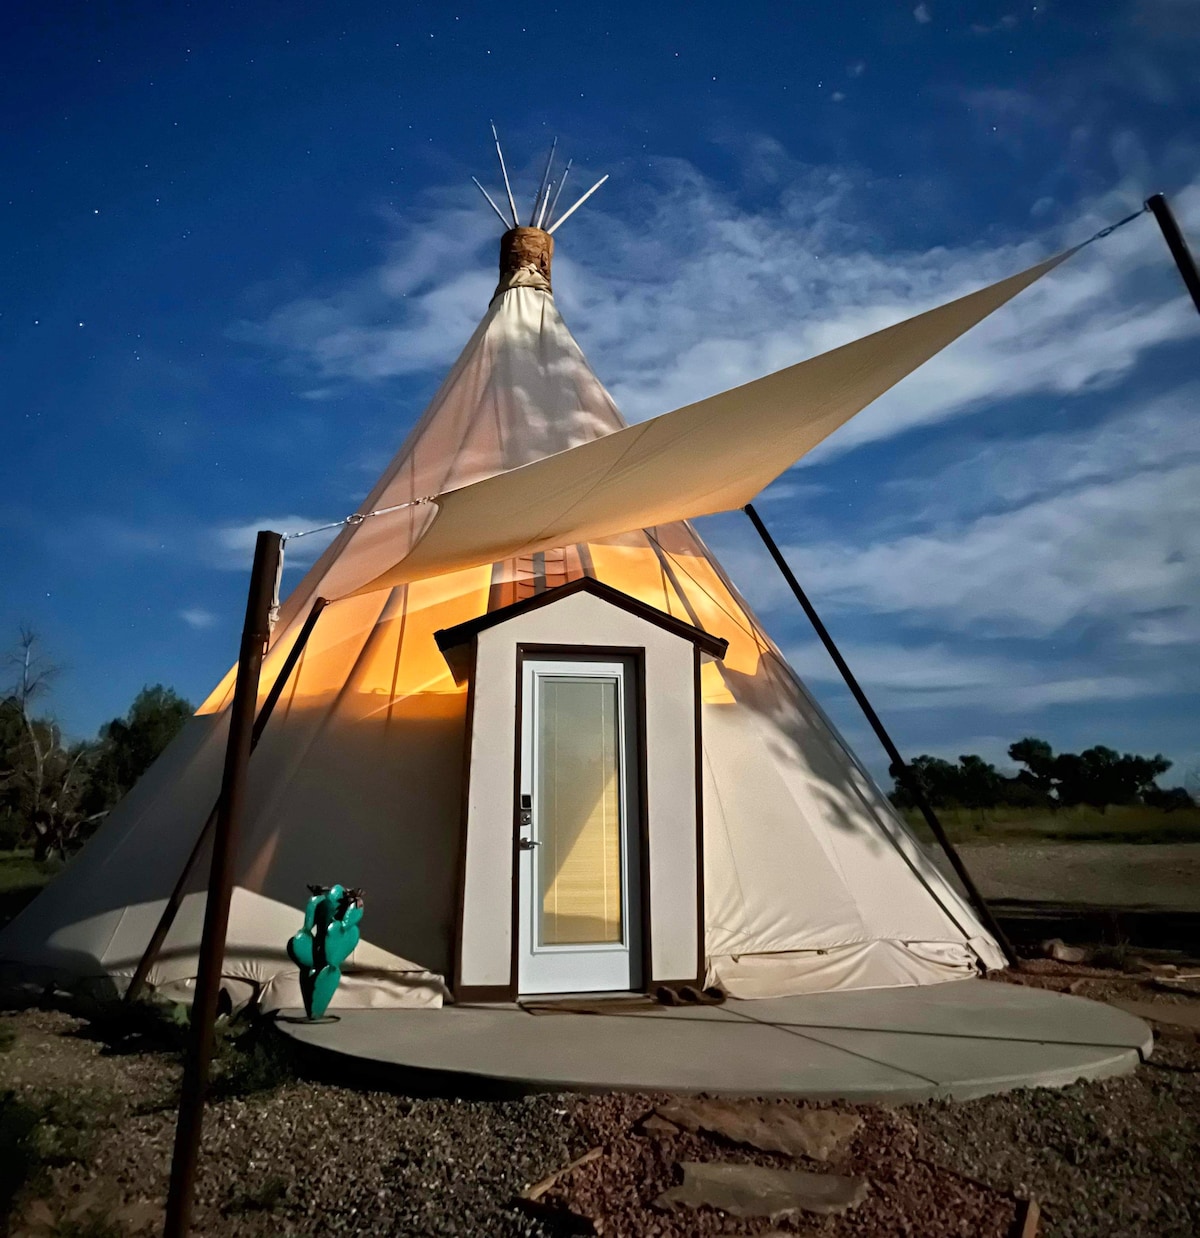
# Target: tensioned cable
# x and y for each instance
(356, 519)
(1113, 227)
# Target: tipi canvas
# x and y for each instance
(811, 882)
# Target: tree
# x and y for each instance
(41, 778)
(128, 746)
(979, 783)
(1169, 799)
(1098, 776)
(1191, 782)
(1038, 775)
(1101, 776)
(52, 792)
(938, 780)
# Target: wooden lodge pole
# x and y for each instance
(255, 633)
(903, 771)
(1158, 207)
(171, 910)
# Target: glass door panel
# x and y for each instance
(579, 809)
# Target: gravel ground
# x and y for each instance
(305, 1157)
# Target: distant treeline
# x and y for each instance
(1097, 777)
(54, 793)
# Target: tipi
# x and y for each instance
(806, 879)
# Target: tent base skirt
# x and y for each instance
(860, 965)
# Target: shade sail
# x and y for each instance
(712, 456)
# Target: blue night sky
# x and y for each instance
(241, 247)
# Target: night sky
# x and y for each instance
(241, 247)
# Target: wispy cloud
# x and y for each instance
(1180, 627)
(1006, 22)
(939, 677)
(1156, 434)
(698, 294)
(91, 535)
(922, 14)
(198, 618)
(409, 315)
(1117, 550)
(231, 546)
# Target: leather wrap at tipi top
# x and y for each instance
(811, 881)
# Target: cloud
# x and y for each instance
(922, 14)
(1168, 19)
(804, 280)
(91, 534)
(1113, 550)
(1156, 434)
(937, 677)
(791, 488)
(1179, 628)
(196, 617)
(1007, 22)
(697, 293)
(231, 546)
(431, 280)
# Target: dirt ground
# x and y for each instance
(88, 1117)
(1163, 875)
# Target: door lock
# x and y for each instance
(527, 844)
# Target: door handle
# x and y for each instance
(527, 844)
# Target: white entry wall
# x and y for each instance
(671, 816)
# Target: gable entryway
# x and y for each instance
(582, 838)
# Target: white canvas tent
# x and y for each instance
(810, 880)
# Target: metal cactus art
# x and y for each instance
(326, 941)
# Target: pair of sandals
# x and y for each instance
(688, 995)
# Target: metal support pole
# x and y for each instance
(171, 910)
(903, 772)
(1157, 205)
(255, 634)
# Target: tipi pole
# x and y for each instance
(171, 910)
(1157, 205)
(903, 772)
(504, 172)
(558, 223)
(255, 634)
(549, 216)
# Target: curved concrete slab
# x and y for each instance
(962, 1039)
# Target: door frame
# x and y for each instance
(638, 826)
(579, 964)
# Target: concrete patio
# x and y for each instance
(961, 1039)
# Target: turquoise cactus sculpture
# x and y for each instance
(326, 941)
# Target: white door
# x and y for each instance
(579, 911)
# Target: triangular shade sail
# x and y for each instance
(712, 456)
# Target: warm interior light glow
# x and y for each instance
(579, 809)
